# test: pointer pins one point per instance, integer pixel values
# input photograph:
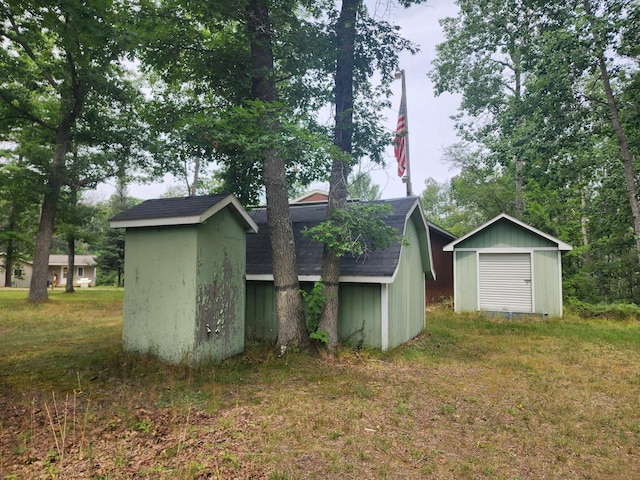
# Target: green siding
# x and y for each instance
(180, 279)
(547, 287)
(466, 281)
(220, 301)
(260, 323)
(160, 284)
(504, 234)
(359, 314)
(406, 293)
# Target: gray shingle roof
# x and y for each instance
(170, 207)
(180, 211)
(381, 263)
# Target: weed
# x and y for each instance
(277, 475)
(403, 408)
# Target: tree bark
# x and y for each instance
(11, 247)
(71, 263)
(292, 331)
(38, 286)
(345, 35)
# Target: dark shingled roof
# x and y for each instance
(380, 263)
(170, 207)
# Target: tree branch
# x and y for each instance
(30, 53)
(23, 113)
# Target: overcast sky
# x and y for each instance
(430, 126)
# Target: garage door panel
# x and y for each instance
(505, 282)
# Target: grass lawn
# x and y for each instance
(471, 398)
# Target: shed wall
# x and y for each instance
(260, 312)
(504, 234)
(466, 281)
(407, 293)
(442, 287)
(359, 313)
(221, 296)
(159, 299)
(547, 283)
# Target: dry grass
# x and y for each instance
(471, 398)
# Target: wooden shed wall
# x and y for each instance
(547, 283)
(466, 281)
(260, 312)
(159, 261)
(547, 279)
(220, 291)
(359, 313)
(407, 293)
(442, 286)
(504, 234)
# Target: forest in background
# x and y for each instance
(549, 121)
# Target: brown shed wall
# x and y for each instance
(442, 286)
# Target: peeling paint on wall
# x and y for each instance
(216, 310)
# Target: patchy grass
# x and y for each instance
(470, 398)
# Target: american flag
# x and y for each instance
(400, 141)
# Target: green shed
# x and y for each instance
(184, 273)
(382, 297)
(509, 267)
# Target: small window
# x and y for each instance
(81, 271)
(64, 272)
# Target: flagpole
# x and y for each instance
(407, 177)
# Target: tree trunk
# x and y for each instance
(519, 204)
(345, 35)
(193, 188)
(583, 223)
(8, 260)
(623, 142)
(289, 312)
(71, 263)
(38, 287)
(71, 238)
(11, 247)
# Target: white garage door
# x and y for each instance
(505, 282)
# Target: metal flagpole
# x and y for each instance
(407, 177)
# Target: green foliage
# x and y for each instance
(110, 248)
(616, 311)
(316, 301)
(356, 230)
(361, 187)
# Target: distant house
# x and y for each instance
(184, 295)
(84, 274)
(84, 266)
(312, 196)
(382, 297)
(509, 267)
